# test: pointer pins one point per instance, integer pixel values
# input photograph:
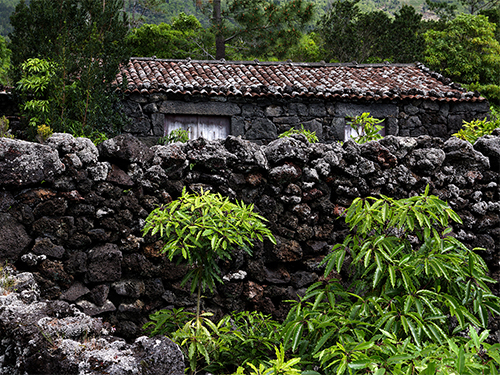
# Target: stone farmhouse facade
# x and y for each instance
(259, 100)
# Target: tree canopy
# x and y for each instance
(258, 27)
(462, 47)
(83, 40)
(183, 38)
(348, 34)
(465, 50)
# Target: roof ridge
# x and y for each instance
(352, 64)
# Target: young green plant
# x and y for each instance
(475, 129)
(36, 81)
(43, 133)
(366, 128)
(176, 135)
(311, 136)
(409, 289)
(201, 228)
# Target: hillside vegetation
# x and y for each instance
(172, 8)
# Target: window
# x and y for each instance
(208, 127)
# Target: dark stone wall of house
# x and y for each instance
(72, 213)
(262, 119)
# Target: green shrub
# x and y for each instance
(490, 92)
(415, 292)
(43, 133)
(236, 340)
(164, 322)
(366, 128)
(413, 300)
(176, 135)
(36, 81)
(198, 230)
(4, 128)
(475, 129)
(311, 136)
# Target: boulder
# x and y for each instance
(249, 154)
(13, 238)
(25, 163)
(285, 173)
(74, 292)
(287, 250)
(211, 155)
(44, 246)
(170, 156)
(489, 145)
(119, 177)
(53, 337)
(79, 150)
(104, 264)
(461, 153)
(426, 160)
(126, 148)
(288, 148)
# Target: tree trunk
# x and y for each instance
(220, 46)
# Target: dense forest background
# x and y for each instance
(168, 9)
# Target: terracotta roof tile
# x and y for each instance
(253, 78)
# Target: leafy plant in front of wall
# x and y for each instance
(176, 135)
(310, 135)
(198, 230)
(475, 129)
(366, 128)
(237, 340)
(414, 294)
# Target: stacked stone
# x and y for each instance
(54, 337)
(261, 120)
(72, 214)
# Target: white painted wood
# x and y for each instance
(208, 127)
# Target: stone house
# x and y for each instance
(260, 100)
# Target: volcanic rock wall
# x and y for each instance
(54, 337)
(261, 120)
(72, 213)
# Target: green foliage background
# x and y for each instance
(173, 8)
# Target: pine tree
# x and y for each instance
(257, 27)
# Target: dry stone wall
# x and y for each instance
(54, 337)
(262, 119)
(71, 214)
